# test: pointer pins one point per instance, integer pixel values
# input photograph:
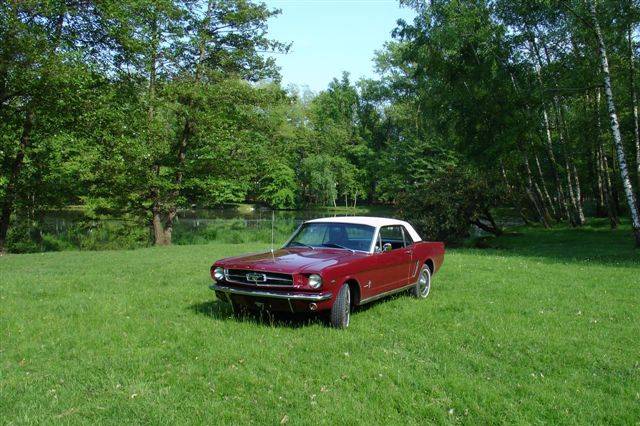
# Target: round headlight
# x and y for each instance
(218, 274)
(315, 281)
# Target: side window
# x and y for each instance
(393, 235)
(408, 240)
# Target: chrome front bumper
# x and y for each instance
(305, 297)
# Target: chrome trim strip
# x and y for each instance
(239, 278)
(266, 274)
(290, 283)
(386, 293)
(311, 297)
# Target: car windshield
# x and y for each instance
(348, 236)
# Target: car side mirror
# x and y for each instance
(387, 247)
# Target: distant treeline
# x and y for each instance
(137, 108)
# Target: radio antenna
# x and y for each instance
(273, 218)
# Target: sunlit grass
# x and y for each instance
(543, 329)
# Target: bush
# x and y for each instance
(234, 231)
(446, 207)
(22, 238)
(85, 235)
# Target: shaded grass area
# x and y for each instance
(594, 243)
(543, 329)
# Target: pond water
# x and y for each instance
(235, 224)
(242, 223)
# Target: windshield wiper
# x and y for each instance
(302, 244)
(337, 246)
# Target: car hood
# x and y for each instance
(291, 260)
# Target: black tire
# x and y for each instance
(341, 309)
(422, 287)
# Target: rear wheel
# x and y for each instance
(422, 287)
(341, 309)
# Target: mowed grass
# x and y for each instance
(544, 329)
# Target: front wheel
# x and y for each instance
(341, 309)
(423, 285)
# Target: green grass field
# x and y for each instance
(545, 328)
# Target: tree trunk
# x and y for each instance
(599, 189)
(544, 188)
(173, 208)
(604, 166)
(535, 196)
(634, 103)
(515, 199)
(540, 204)
(497, 229)
(611, 210)
(187, 131)
(564, 205)
(158, 228)
(615, 128)
(578, 191)
(573, 182)
(156, 211)
(14, 175)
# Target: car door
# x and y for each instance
(395, 264)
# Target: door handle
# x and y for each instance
(408, 251)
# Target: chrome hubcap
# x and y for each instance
(424, 283)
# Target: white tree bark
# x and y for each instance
(634, 102)
(615, 127)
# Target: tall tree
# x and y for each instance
(45, 76)
(185, 52)
(615, 126)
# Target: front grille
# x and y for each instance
(258, 277)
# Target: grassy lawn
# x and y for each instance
(543, 328)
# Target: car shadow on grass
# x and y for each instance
(222, 311)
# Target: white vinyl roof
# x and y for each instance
(376, 222)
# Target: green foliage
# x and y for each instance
(279, 187)
(236, 232)
(444, 207)
(82, 235)
(22, 238)
(139, 109)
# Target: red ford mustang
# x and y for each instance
(331, 265)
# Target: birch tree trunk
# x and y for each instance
(634, 102)
(573, 181)
(603, 164)
(615, 127)
(599, 186)
(611, 210)
(564, 206)
(531, 181)
(578, 191)
(577, 217)
(544, 188)
(533, 191)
